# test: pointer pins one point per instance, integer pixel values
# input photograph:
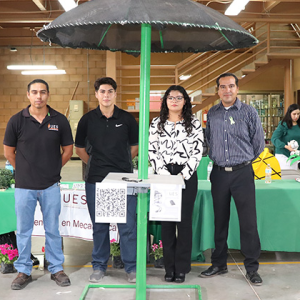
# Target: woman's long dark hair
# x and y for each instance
(186, 113)
(288, 119)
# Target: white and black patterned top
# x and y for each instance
(172, 145)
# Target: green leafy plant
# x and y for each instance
(12, 181)
(8, 254)
(135, 163)
(115, 248)
(5, 177)
(157, 250)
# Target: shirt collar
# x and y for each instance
(237, 104)
(26, 112)
(115, 113)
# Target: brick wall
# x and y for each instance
(83, 66)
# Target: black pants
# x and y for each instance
(178, 250)
(240, 185)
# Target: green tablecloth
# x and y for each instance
(278, 217)
(8, 219)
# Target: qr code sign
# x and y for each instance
(111, 203)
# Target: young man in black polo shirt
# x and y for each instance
(44, 143)
(113, 136)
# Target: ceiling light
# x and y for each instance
(44, 72)
(31, 67)
(184, 77)
(235, 7)
(67, 4)
(13, 49)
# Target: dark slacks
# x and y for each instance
(240, 185)
(178, 250)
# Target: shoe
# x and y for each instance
(97, 275)
(179, 277)
(169, 277)
(254, 278)
(213, 271)
(35, 261)
(131, 277)
(61, 278)
(21, 281)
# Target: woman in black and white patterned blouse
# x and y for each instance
(175, 148)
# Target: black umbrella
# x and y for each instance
(177, 26)
(141, 27)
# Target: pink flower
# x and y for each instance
(113, 241)
(43, 249)
(160, 244)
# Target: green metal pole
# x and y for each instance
(143, 160)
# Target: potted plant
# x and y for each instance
(12, 183)
(116, 254)
(157, 252)
(5, 178)
(8, 255)
(135, 162)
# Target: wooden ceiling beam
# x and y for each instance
(41, 4)
(268, 6)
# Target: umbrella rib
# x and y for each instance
(220, 30)
(161, 40)
(104, 35)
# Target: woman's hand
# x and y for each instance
(288, 147)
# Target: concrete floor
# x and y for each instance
(279, 271)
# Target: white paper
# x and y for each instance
(110, 203)
(165, 202)
(78, 186)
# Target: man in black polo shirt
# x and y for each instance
(38, 142)
(113, 136)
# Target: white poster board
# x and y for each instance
(165, 202)
(74, 219)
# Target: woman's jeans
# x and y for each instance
(25, 204)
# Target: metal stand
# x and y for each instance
(143, 174)
(142, 188)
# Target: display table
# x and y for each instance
(278, 217)
(8, 219)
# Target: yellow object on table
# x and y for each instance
(260, 164)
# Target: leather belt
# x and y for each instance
(233, 168)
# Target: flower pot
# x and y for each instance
(159, 263)
(12, 185)
(7, 268)
(117, 262)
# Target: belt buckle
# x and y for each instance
(228, 169)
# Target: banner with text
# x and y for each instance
(74, 219)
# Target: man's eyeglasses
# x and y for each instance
(176, 99)
(131, 180)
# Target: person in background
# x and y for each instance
(287, 130)
(112, 134)
(175, 148)
(38, 142)
(236, 138)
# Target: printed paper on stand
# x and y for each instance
(110, 203)
(165, 202)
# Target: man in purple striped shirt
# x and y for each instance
(236, 138)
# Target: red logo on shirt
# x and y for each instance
(53, 127)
